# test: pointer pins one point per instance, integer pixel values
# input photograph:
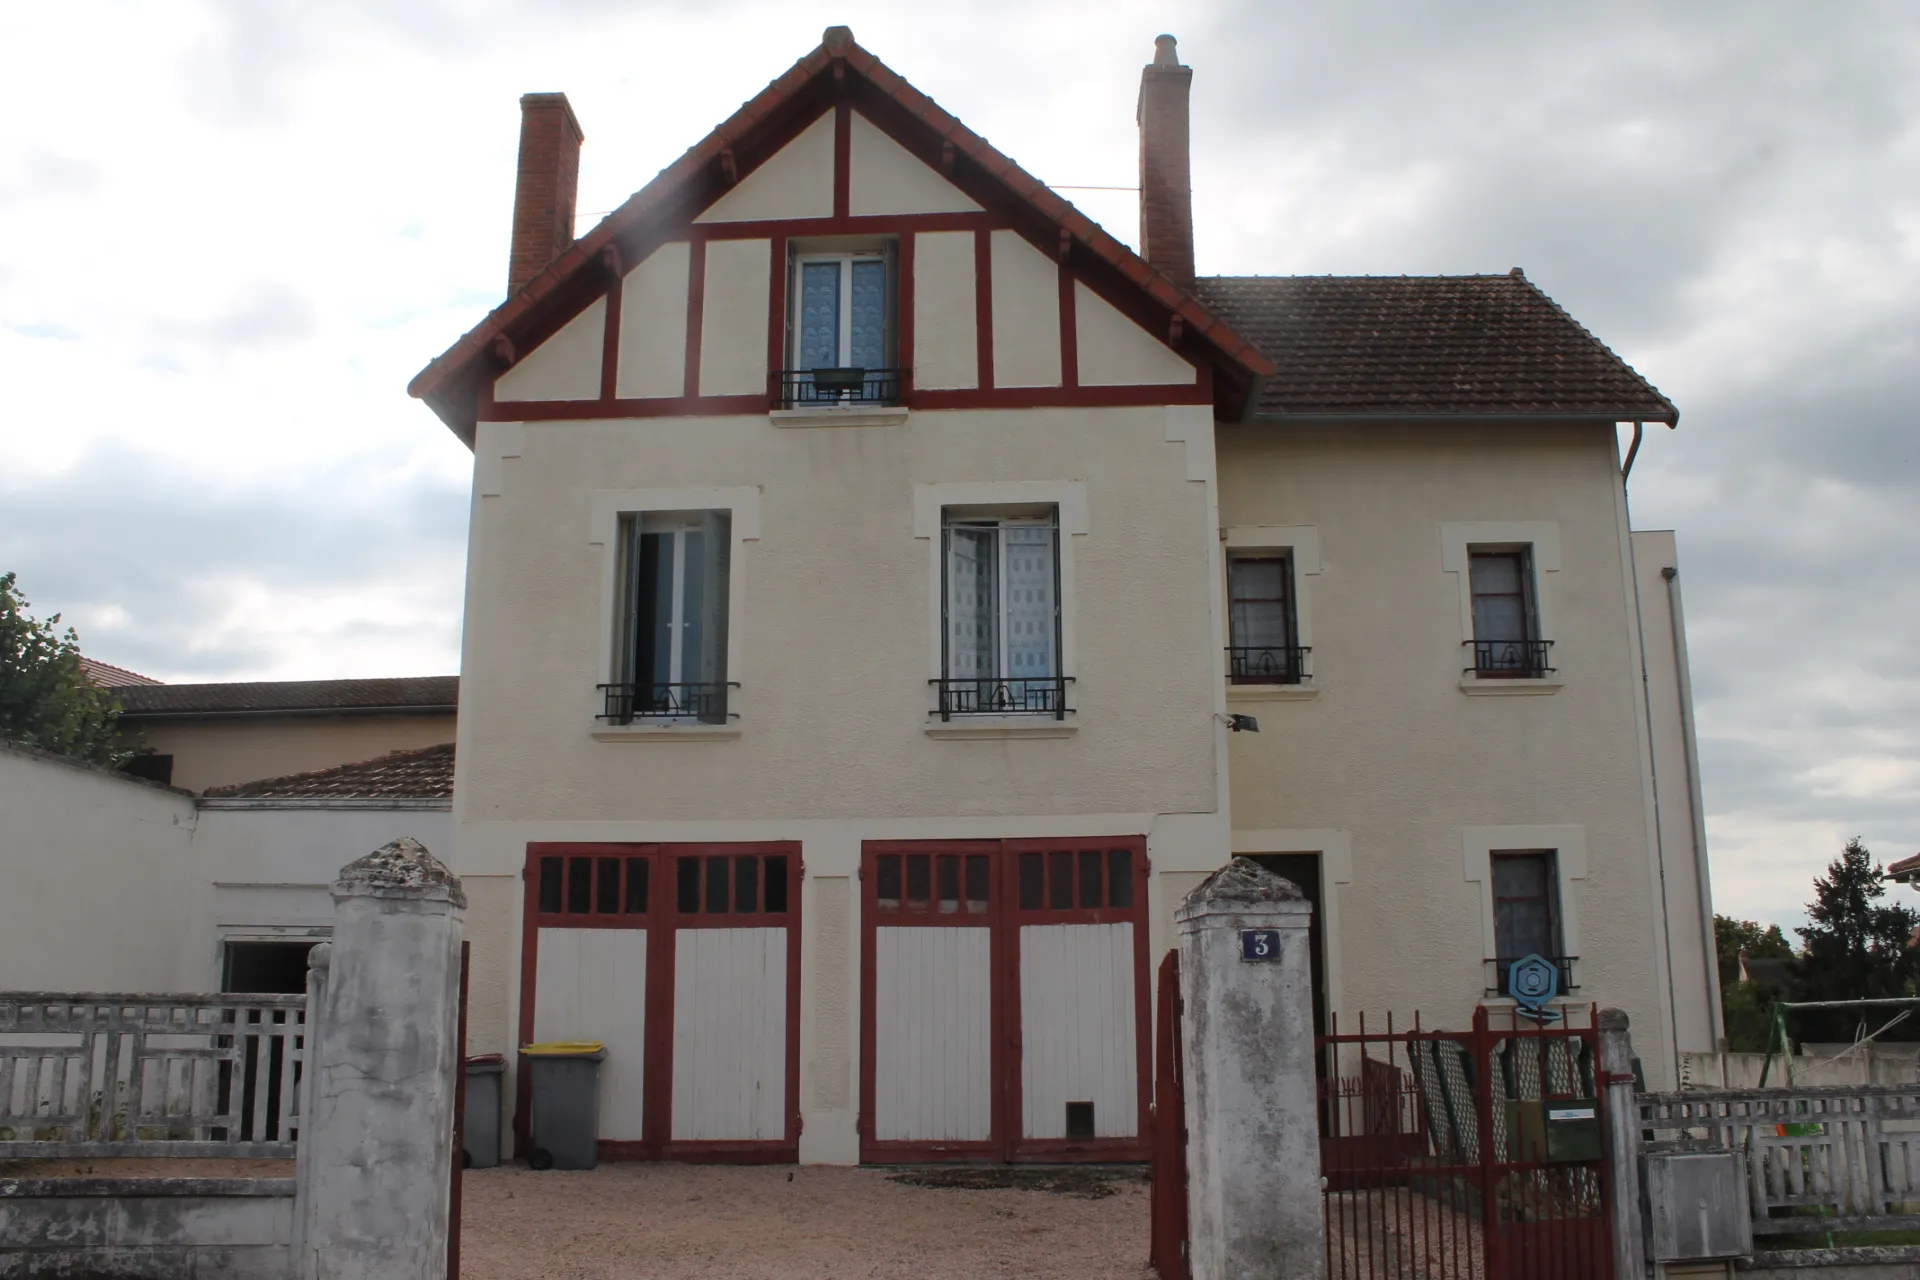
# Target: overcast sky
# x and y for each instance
(231, 232)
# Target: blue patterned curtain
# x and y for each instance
(1030, 599)
(869, 315)
(819, 344)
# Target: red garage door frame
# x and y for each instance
(1005, 917)
(609, 878)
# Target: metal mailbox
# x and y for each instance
(1554, 1131)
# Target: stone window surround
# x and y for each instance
(606, 509)
(1301, 542)
(1568, 843)
(1542, 537)
(1069, 498)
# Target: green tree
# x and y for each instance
(1748, 1006)
(1731, 937)
(46, 701)
(1854, 948)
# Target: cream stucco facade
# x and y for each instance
(1037, 389)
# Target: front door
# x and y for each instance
(1004, 995)
(682, 960)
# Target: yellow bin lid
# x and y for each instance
(562, 1048)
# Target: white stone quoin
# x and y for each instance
(1253, 1146)
(377, 1144)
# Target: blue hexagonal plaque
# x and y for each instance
(1533, 980)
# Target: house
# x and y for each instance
(202, 736)
(114, 882)
(875, 567)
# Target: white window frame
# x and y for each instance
(607, 510)
(677, 525)
(950, 519)
(1068, 498)
(1300, 543)
(843, 342)
(1542, 539)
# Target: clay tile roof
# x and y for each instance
(412, 693)
(1414, 345)
(108, 676)
(423, 773)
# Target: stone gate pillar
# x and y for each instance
(1253, 1140)
(376, 1146)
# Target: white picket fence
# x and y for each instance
(1817, 1159)
(92, 1074)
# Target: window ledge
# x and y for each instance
(1272, 692)
(666, 733)
(1509, 688)
(1002, 728)
(833, 416)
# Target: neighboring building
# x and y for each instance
(216, 735)
(867, 554)
(113, 883)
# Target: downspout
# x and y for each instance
(1626, 468)
(1691, 755)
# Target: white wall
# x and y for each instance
(97, 884)
(1682, 851)
(112, 884)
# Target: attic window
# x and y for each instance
(842, 328)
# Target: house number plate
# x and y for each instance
(1259, 944)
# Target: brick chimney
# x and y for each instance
(548, 183)
(1166, 186)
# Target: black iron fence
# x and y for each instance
(1267, 664)
(1003, 696)
(1510, 658)
(705, 702)
(810, 388)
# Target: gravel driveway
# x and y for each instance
(624, 1221)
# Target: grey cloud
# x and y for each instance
(155, 540)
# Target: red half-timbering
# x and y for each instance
(843, 79)
(644, 886)
(921, 884)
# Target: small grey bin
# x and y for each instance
(565, 1083)
(480, 1133)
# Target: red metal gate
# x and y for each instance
(1168, 1251)
(1465, 1154)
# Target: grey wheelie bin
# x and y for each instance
(565, 1084)
(480, 1132)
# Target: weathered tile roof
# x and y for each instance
(108, 676)
(423, 773)
(408, 693)
(1395, 346)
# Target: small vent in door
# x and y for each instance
(1079, 1122)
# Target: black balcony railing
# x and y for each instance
(1509, 659)
(626, 703)
(824, 388)
(1267, 664)
(1003, 696)
(1502, 983)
